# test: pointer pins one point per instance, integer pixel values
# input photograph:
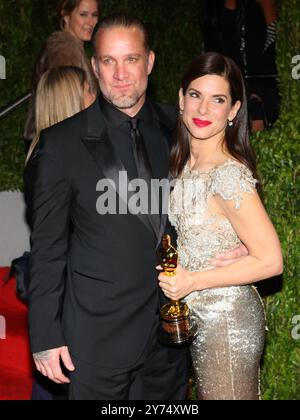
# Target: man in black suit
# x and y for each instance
(94, 297)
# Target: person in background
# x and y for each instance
(214, 207)
(61, 93)
(245, 30)
(78, 19)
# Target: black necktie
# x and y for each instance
(143, 167)
(139, 152)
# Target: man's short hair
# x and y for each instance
(122, 20)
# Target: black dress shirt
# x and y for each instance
(119, 132)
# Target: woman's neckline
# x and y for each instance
(208, 171)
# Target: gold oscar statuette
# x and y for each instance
(177, 326)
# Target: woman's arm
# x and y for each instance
(255, 230)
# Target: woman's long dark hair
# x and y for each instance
(236, 137)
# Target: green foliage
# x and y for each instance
(22, 32)
(176, 39)
(279, 163)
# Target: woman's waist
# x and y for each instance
(224, 298)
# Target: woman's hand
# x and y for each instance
(178, 286)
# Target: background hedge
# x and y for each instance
(278, 152)
(24, 24)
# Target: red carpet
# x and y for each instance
(15, 357)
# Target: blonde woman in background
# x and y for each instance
(61, 93)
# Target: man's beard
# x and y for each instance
(124, 101)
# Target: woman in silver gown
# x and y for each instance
(215, 207)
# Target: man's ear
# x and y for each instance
(151, 61)
(95, 67)
(181, 99)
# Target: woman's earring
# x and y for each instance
(180, 112)
(230, 123)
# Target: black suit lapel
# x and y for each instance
(158, 158)
(158, 144)
(99, 145)
(159, 152)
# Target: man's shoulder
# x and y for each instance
(167, 108)
(70, 126)
(166, 113)
(76, 126)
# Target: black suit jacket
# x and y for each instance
(93, 281)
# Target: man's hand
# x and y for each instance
(48, 363)
(231, 257)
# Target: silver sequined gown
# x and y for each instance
(226, 353)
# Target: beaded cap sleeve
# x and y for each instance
(231, 181)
